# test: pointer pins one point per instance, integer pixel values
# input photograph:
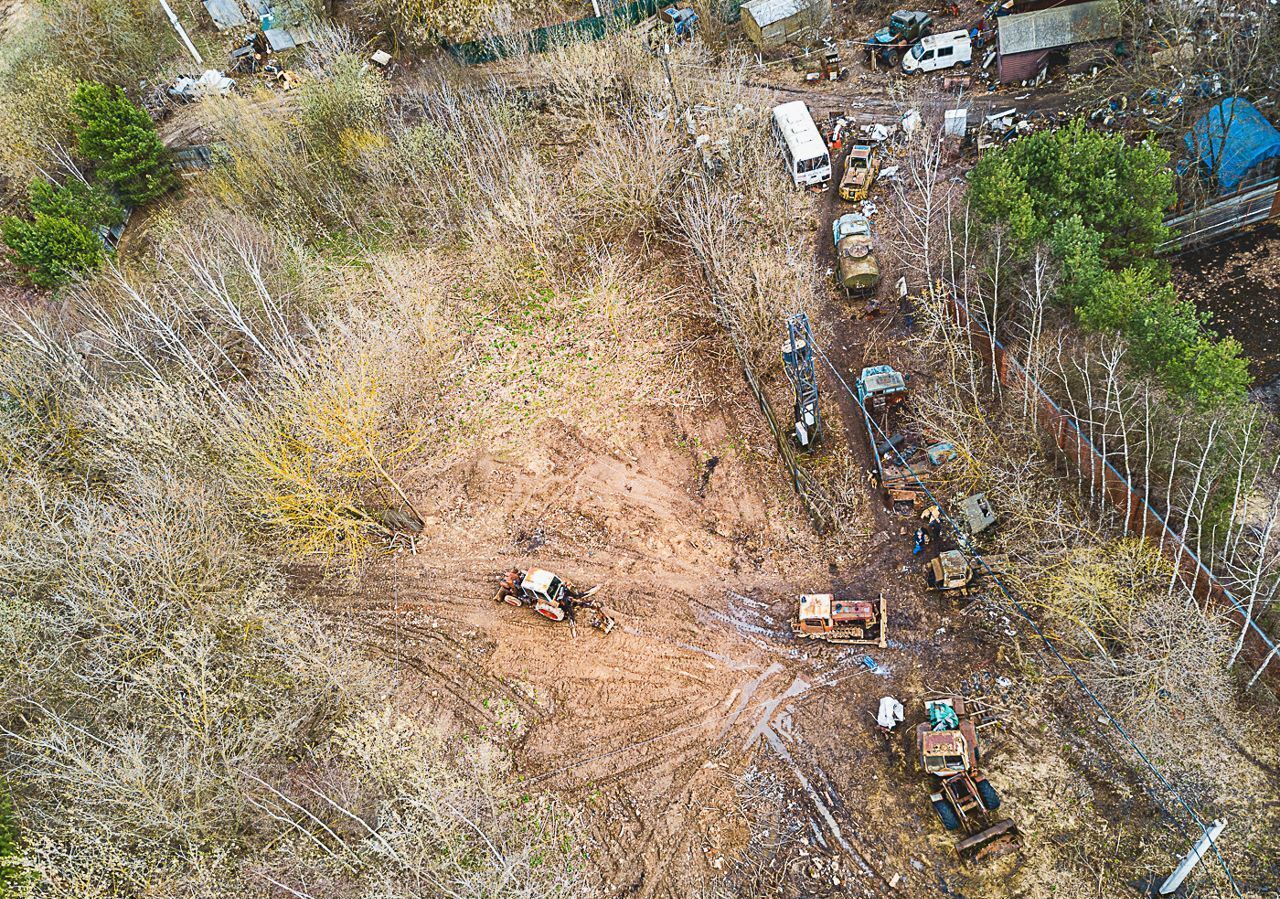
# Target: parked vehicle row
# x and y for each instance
(808, 164)
(907, 41)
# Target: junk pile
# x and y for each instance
(823, 65)
(276, 30)
(904, 458)
(1157, 108)
(713, 132)
(211, 83)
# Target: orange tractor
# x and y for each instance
(552, 597)
(949, 752)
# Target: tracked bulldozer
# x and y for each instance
(823, 617)
(552, 597)
(964, 800)
(953, 574)
(950, 572)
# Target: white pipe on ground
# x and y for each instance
(182, 33)
(1192, 858)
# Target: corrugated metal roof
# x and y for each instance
(282, 39)
(1059, 26)
(225, 14)
(766, 12)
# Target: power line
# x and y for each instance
(1036, 627)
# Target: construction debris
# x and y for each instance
(211, 83)
(226, 14)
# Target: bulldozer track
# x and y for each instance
(640, 768)
(457, 679)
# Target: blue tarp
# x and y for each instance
(1231, 139)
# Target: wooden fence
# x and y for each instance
(1259, 649)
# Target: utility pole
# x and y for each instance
(666, 67)
(1192, 858)
(182, 34)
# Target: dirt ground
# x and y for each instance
(703, 684)
(710, 750)
(1238, 283)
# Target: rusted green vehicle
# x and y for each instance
(857, 269)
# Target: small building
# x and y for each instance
(772, 23)
(1026, 37)
(1234, 145)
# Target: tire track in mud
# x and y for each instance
(659, 697)
(707, 731)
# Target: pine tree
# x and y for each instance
(51, 249)
(85, 204)
(120, 140)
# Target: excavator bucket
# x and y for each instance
(604, 621)
(993, 842)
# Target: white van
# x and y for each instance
(803, 148)
(939, 51)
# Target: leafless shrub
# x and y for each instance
(161, 700)
(589, 79)
(419, 22)
(745, 228)
(627, 173)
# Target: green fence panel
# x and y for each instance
(540, 40)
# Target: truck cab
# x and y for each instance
(949, 571)
(905, 27)
(881, 386)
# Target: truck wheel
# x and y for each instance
(894, 58)
(990, 798)
(946, 814)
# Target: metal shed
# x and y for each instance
(1023, 40)
(772, 23)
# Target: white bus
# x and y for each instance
(803, 148)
